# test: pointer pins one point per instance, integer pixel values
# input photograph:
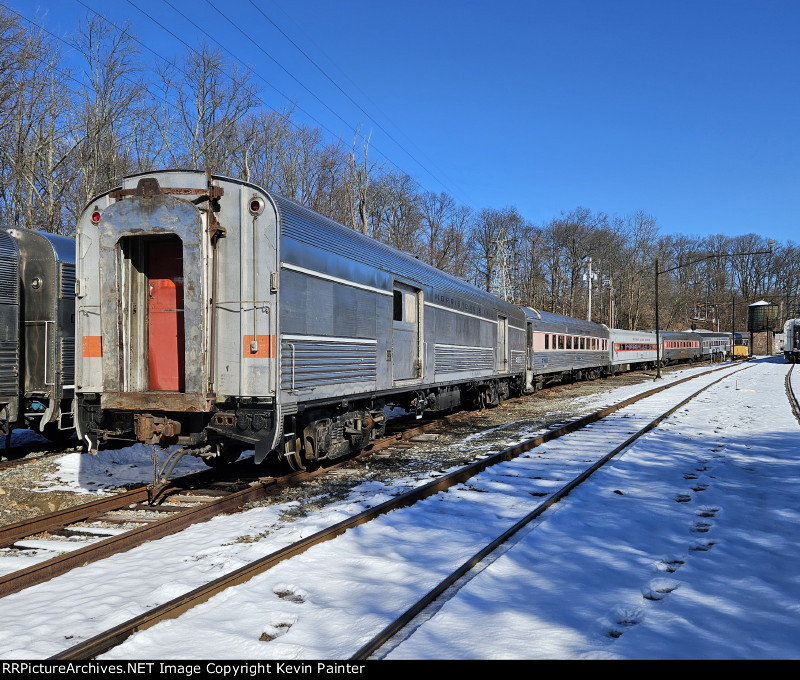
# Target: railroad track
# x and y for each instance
(792, 392)
(21, 455)
(174, 608)
(190, 499)
(123, 521)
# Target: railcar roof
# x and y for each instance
(677, 334)
(559, 319)
(62, 247)
(343, 240)
(370, 252)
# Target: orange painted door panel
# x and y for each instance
(165, 344)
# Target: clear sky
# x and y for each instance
(686, 109)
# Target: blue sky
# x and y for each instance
(686, 109)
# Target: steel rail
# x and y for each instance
(180, 519)
(106, 640)
(794, 403)
(85, 511)
(79, 513)
(390, 631)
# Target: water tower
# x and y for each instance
(762, 322)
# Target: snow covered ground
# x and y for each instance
(683, 547)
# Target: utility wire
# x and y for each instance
(192, 49)
(252, 71)
(338, 87)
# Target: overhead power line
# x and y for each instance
(346, 94)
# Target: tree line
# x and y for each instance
(68, 133)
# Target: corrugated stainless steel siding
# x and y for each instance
(67, 280)
(305, 226)
(307, 363)
(9, 360)
(453, 358)
(67, 361)
(9, 269)
(567, 360)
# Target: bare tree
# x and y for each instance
(443, 232)
(202, 110)
(33, 133)
(490, 229)
(107, 110)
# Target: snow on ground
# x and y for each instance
(26, 437)
(112, 468)
(133, 465)
(684, 547)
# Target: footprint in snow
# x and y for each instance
(682, 498)
(658, 588)
(701, 527)
(280, 625)
(701, 486)
(290, 593)
(690, 475)
(670, 566)
(622, 619)
(704, 546)
(707, 511)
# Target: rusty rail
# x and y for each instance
(412, 612)
(790, 393)
(102, 642)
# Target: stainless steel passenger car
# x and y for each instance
(632, 349)
(214, 314)
(791, 344)
(561, 348)
(37, 331)
(714, 346)
(679, 346)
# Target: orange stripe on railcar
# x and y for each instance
(264, 347)
(93, 346)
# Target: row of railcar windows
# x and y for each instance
(553, 341)
(634, 346)
(678, 344)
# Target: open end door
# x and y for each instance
(165, 329)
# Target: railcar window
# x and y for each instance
(398, 306)
(410, 307)
(583, 343)
(569, 342)
(560, 342)
(546, 341)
